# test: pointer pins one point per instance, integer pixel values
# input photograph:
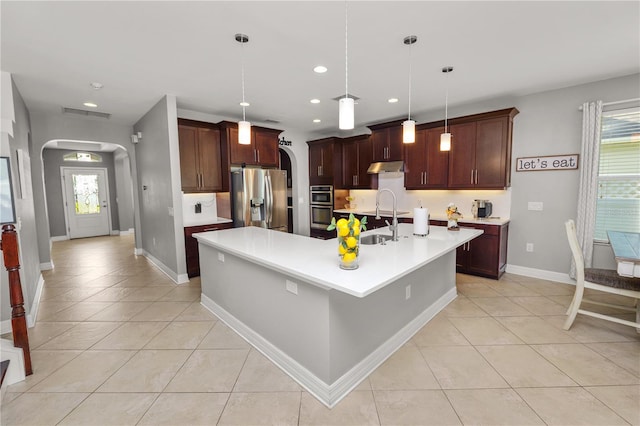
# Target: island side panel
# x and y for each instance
(359, 326)
(298, 325)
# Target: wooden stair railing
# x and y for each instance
(9, 247)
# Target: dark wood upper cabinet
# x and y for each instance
(263, 150)
(323, 156)
(462, 155)
(386, 140)
(357, 156)
(201, 165)
(426, 167)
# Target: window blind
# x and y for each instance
(618, 205)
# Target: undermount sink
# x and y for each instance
(374, 239)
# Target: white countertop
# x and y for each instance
(207, 221)
(385, 213)
(316, 261)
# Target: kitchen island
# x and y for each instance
(326, 327)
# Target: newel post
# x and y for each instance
(18, 320)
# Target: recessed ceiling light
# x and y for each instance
(96, 85)
(90, 105)
(244, 104)
(320, 69)
(315, 101)
(316, 120)
(392, 100)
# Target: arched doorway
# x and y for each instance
(285, 164)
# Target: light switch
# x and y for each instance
(535, 205)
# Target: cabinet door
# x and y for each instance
(484, 255)
(321, 163)
(189, 172)
(380, 144)
(462, 156)
(210, 159)
(266, 145)
(365, 158)
(240, 154)
(437, 170)
(416, 161)
(492, 158)
(396, 147)
(349, 164)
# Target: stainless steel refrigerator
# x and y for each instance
(259, 198)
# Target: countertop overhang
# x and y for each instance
(316, 261)
(409, 214)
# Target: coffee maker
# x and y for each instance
(481, 208)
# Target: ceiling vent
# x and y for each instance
(85, 113)
(271, 121)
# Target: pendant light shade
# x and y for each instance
(244, 127)
(346, 110)
(409, 131)
(445, 138)
(244, 132)
(409, 126)
(346, 114)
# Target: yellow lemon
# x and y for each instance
(341, 249)
(342, 222)
(351, 242)
(356, 224)
(349, 257)
(356, 231)
(343, 231)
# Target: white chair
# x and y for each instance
(604, 280)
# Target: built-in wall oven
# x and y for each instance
(321, 205)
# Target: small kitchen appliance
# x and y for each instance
(481, 208)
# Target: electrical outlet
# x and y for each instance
(530, 247)
(198, 208)
(291, 287)
(535, 205)
(407, 292)
(221, 257)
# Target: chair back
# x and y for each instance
(575, 249)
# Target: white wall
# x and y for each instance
(124, 188)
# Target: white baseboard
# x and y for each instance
(115, 232)
(138, 251)
(46, 266)
(540, 273)
(127, 232)
(59, 238)
(33, 311)
(177, 278)
(15, 372)
(329, 394)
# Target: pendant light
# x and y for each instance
(346, 104)
(244, 127)
(409, 126)
(445, 138)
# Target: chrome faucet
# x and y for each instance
(394, 221)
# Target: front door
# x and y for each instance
(86, 202)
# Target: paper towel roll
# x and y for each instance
(420, 221)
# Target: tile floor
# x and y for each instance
(116, 342)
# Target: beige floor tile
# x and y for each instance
(146, 294)
(259, 374)
(625, 354)
(585, 366)
(182, 294)
(418, 407)
(357, 408)
(51, 408)
(274, 408)
(51, 293)
(591, 330)
(223, 337)
(500, 306)
(131, 335)
(112, 294)
(439, 331)
(539, 305)
(569, 406)
(82, 336)
(511, 288)
(492, 407)
(120, 311)
(146, 371)
(113, 409)
(195, 409)
(463, 307)
(106, 281)
(196, 312)
(209, 371)
(43, 364)
(161, 311)
(485, 331)
(42, 332)
(406, 369)
(548, 288)
(624, 400)
(521, 366)
(364, 385)
(84, 373)
(180, 335)
(76, 294)
(78, 312)
(476, 290)
(47, 308)
(534, 330)
(452, 366)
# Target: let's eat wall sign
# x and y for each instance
(546, 163)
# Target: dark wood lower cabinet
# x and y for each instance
(191, 245)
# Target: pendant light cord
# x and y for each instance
(446, 102)
(242, 65)
(346, 51)
(410, 45)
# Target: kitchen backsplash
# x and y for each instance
(209, 212)
(435, 200)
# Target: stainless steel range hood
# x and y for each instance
(386, 167)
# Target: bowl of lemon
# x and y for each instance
(348, 231)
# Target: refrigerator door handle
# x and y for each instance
(268, 200)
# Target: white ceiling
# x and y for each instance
(142, 50)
